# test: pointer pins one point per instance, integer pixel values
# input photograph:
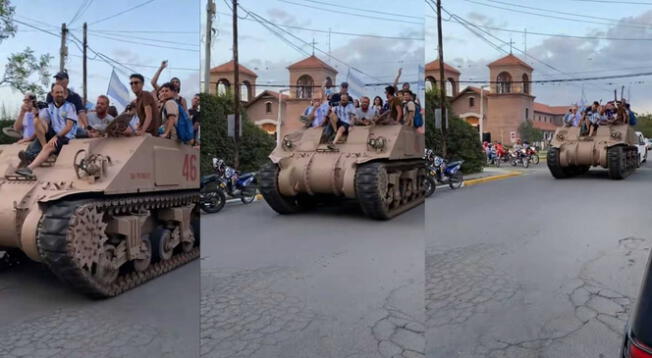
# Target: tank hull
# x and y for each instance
(384, 161)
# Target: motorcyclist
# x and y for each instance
(518, 148)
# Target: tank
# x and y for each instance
(612, 147)
(106, 214)
(381, 167)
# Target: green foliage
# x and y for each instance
(3, 138)
(7, 26)
(255, 143)
(20, 69)
(528, 133)
(644, 124)
(463, 139)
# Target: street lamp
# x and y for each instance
(278, 120)
(482, 111)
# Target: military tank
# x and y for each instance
(105, 215)
(612, 147)
(379, 166)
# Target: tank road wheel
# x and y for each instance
(146, 248)
(617, 163)
(73, 243)
(161, 242)
(555, 168)
(373, 191)
(268, 186)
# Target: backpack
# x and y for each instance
(632, 119)
(185, 130)
(418, 118)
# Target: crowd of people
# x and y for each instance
(50, 125)
(589, 118)
(338, 112)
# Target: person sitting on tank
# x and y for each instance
(334, 100)
(23, 127)
(594, 119)
(55, 127)
(98, 119)
(61, 79)
(169, 111)
(316, 113)
(341, 118)
(571, 119)
(365, 115)
(409, 108)
(585, 123)
(174, 81)
(145, 106)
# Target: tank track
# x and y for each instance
(56, 250)
(555, 168)
(366, 184)
(621, 162)
(268, 187)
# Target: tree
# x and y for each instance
(7, 26)
(20, 69)
(463, 139)
(644, 124)
(528, 133)
(215, 141)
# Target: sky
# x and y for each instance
(377, 58)
(560, 57)
(126, 38)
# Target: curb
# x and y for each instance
(236, 200)
(492, 178)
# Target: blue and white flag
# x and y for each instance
(117, 90)
(356, 86)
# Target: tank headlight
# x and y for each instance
(377, 143)
(560, 136)
(615, 134)
(287, 143)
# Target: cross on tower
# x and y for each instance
(313, 46)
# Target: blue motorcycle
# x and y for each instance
(442, 172)
(235, 184)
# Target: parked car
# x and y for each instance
(648, 142)
(642, 147)
(638, 334)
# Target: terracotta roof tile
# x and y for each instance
(228, 67)
(554, 110)
(311, 62)
(509, 60)
(545, 126)
(434, 66)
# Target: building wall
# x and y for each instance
(505, 114)
(257, 112)
(517, 75)
(449, 76)
(216, 76)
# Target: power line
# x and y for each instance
(32, 26)
(145, 66)
(364, 10)
(566, 35)
(151, 39)
(81, 11)
(551, 16)
(339, 32)
(147, 31)
(352, 14)
(562, 80)
(108, 37)
(121, 12)
(617, 2)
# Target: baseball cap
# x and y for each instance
(61, 75)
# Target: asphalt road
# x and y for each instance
(327, 283)
(41, 317)
(535, 267)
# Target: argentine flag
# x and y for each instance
(356, 86)
(117, 90)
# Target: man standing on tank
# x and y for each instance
(55, 127)
(146, 107)
(61, 79)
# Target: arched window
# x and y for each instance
(222, 86)
(304, 87)
(245, 89)
(504, 83)
(526, 83)
(451, 87)
(431, 83)
(471, 101)
(268, 107)
(527, 113)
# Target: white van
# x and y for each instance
(642, 147)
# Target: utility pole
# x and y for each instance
(442, 84)
(84, 62)
(236, 92)
(63, 51)
(210, 13)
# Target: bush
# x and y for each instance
(644, 124)
(463, 139)
(255, 143)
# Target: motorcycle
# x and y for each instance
(520, 158)
(442, 172)
(533, 155)
(211, 194)
(236, 184)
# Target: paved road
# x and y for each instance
(535, 267)
(40, 317)
(329, 283)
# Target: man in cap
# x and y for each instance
(61, 79)
(344, 90)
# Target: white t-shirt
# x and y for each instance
(344, 113)
(320, 115)
(56, 117)
(98, 123)
(368, 115)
